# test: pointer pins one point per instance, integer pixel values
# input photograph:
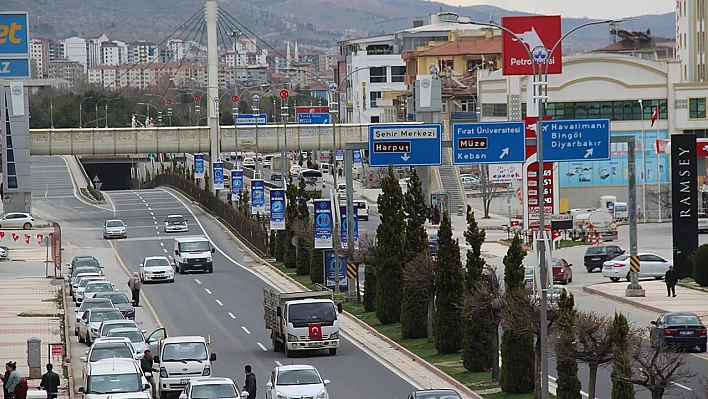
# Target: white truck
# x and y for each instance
(179, 359)
(193, 253)
(302, 320)
(602, 224)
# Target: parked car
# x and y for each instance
(296, 381)
(93, 303)
(702, 223)
(119, 301)
(679, 329)
(109, 325)
(650, 265)
(597, 255)
(17, 220)
(91, 321)
(434, 394)
(136, 337)
(83, 282)
(3, 254)
(78, 272)
(114, 228)
(433, 243)
(210, 388)
(561, 271)
(109, 349)
(95, 287)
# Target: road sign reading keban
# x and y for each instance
(576, 140)
(538, 34)
(405, 145)
(488, 143)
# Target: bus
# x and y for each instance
(313, 180)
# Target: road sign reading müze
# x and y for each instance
(489, 142)
(405, 145)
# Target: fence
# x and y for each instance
(248, 229)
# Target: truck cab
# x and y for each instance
(193, 253)
(179, 359)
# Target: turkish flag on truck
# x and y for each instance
(315, 331)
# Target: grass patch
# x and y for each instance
(570, 243)
(59, 298)
(692, 284)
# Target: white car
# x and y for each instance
(17, 220)
(157, 268)
(79, 291)
(176, 223)
(107, 326)
(94, 287)
(91, 321)
(109, 348)
(211, 388)
(295, 170)
(650, 265)
(3, 254)
(114, 228)
(702, 223)
(135, 336)
(93, 303)
(248, 162)
(296, 381)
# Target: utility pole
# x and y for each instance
(212, 83)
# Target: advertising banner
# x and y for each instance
(330, 270)
(198, 166)
(277, 209)
(257, 196)
(343, 229)
(218, 173)
(538, 34)
(323, 224)
(236, 182)
(684, 192)
(357, 157)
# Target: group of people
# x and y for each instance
(434, 214)
(15, 386)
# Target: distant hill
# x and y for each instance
(320, 23)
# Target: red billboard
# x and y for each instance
(311, 110)
(537, 35)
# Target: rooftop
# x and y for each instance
(465, 47)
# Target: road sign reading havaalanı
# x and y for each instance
(538, 34)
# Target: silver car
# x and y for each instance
(136, 337)
(91, 321)
(83, 282)
(94, 287)
(114, 228)
(295, 381)
(17, 220)
(93, 303)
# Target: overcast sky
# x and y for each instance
(578, 8)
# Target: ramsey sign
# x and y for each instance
(538, 35)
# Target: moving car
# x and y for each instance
(17, 220)
(114, 228)
(119, 301)
(210, 388)
(650, 265)
(679, 329)
(136, 337)
(561, 271)
(93, 303)
(362, 209)
(91, 321)
(157, 268)
(434, 394)
(176, 223)
(597, 255)
(296, 381)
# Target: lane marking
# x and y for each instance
(161, 243)
(585, 395)
(197, 281)
(682, 386)
(155, 221)
(232, 315)
(207, 291)
(260, 345)
(152, 214)
(278, 363)
(149, 209)
(245, 329)
(219, 302)
(164, 249)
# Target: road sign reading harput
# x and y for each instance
(405, 145)
(538, 34)
(488, 142)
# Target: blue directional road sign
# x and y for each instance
(14, 34)
(14, 68)
(318, 118)
(488, 142)
(405, 145)
(576, 140)
(250, 119)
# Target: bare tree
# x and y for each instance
(304, 231)
(365, 252)
(657, 368)
(523, 313)
(420, 273)
(591, 343)
(490, 301)
(487, 189)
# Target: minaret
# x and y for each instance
(287, 56)
(297, 53)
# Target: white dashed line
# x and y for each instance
(152, 214)
(164, 249)
(232, 315)
(148, 205)
(153, 218)
(197, 281)
(207, 291)
(260, 345)
(245, 329)
(162, 244)
(219, 302)
(278, 363)
(155, 221)
(149, 209)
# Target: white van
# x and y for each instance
(182, 358)
(114, 378)
(325, 168)
(362, 209)
(193, 253)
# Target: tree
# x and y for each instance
(305, 232)
(449, 286)
(621, 361)
(291, 215)
(280, 245)
(569, 385)
(477, 342)
(413, 308)
(699, 259)
(391, 247)
(488, 301)
(658, 368)
(317, 266)
(367, 255)
(514, 266)
(420, 273)
(487, 189)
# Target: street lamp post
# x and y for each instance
(51, 112)
(255, 107)
(81, 110)
(644, 168)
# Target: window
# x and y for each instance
(377, 75)
(398, 74)
(469, 106)
(444, 107)
(373, 96)
(495, 110)
(444, 64)
(472, 64)
(622, 110)
(697, 108)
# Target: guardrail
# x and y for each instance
(248, 229)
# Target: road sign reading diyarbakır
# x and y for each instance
(488, 142)
(576, 140)
(405, 145)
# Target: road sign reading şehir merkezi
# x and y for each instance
(405, 145)
(576, 140)
(488, 142)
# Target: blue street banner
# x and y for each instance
(339, 155)
(323, 224)
(357, 157)
(330, 270)
(198, 166)
(236, 182)
(345, 225)
(257, 196)
(218, 173)
(277, 209)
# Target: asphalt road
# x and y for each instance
(225, 305)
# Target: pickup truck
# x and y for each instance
(302, 320)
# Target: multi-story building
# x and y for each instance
(691, 45)
(114, 53)
(143, 76)
(141, 52)
(249, 54)
(56, 49)
(39, 57)
(75, 49)
(72, 71)
(640, 44)
(177, 49)
(277, 59)
(93, 50)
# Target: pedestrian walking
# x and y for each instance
(50, 382)
(437, 215)
(12, 380)
(670, 280)
(469, 213)
(134, 285)
(250, 386)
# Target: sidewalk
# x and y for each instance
(655, 299)
(30, 309)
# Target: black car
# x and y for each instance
(121, 302)
(596, 255)
(434, 394)
(84, 260)
(679, 329)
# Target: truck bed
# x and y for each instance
(272, 300)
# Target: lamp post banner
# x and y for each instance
(198, 166)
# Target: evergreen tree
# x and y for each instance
(449, 287)
(415, 301)
(621, 360)
(391, 248)
(317, 266)
(370, 288)
(280, 245)
(514, 267)
(271, 243)
(303, 259)
(477, 340)
(566, 366)
(303, 214)
(291, 215)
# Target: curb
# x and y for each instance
(506, 244)
(67, 340)
(622, 299)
